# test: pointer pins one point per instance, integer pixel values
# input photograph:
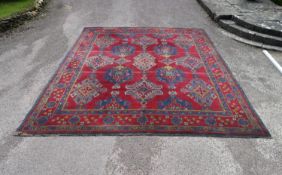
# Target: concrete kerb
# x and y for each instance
(268, 42)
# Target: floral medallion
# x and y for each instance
(170, 75)
(118, 75)
(165, 50)
(123, 50)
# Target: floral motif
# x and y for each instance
(118, 75)
(123, 50)
(165, 50)
(170, 75)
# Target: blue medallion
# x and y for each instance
(118, 75)
(170, 75)
(123, 50)
(165, 50)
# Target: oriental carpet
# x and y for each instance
(136, 81)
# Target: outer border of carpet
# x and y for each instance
(227, 135)
(20, 18)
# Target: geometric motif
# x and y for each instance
(189, 62)
(145, 41)
(99, 61)
(167, 61)
(143, 90)
(183, 41)
(86, 90)
(144, 61)
(104, 41)
(165, 50)
(200, 91)
(122, 60)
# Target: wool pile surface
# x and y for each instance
(136, 81)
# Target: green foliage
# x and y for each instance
(279, 2)
(11, 7)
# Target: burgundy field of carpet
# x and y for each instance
(150, 81)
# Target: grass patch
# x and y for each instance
(279, 2)
(11, 7)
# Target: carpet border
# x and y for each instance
(239, 87)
